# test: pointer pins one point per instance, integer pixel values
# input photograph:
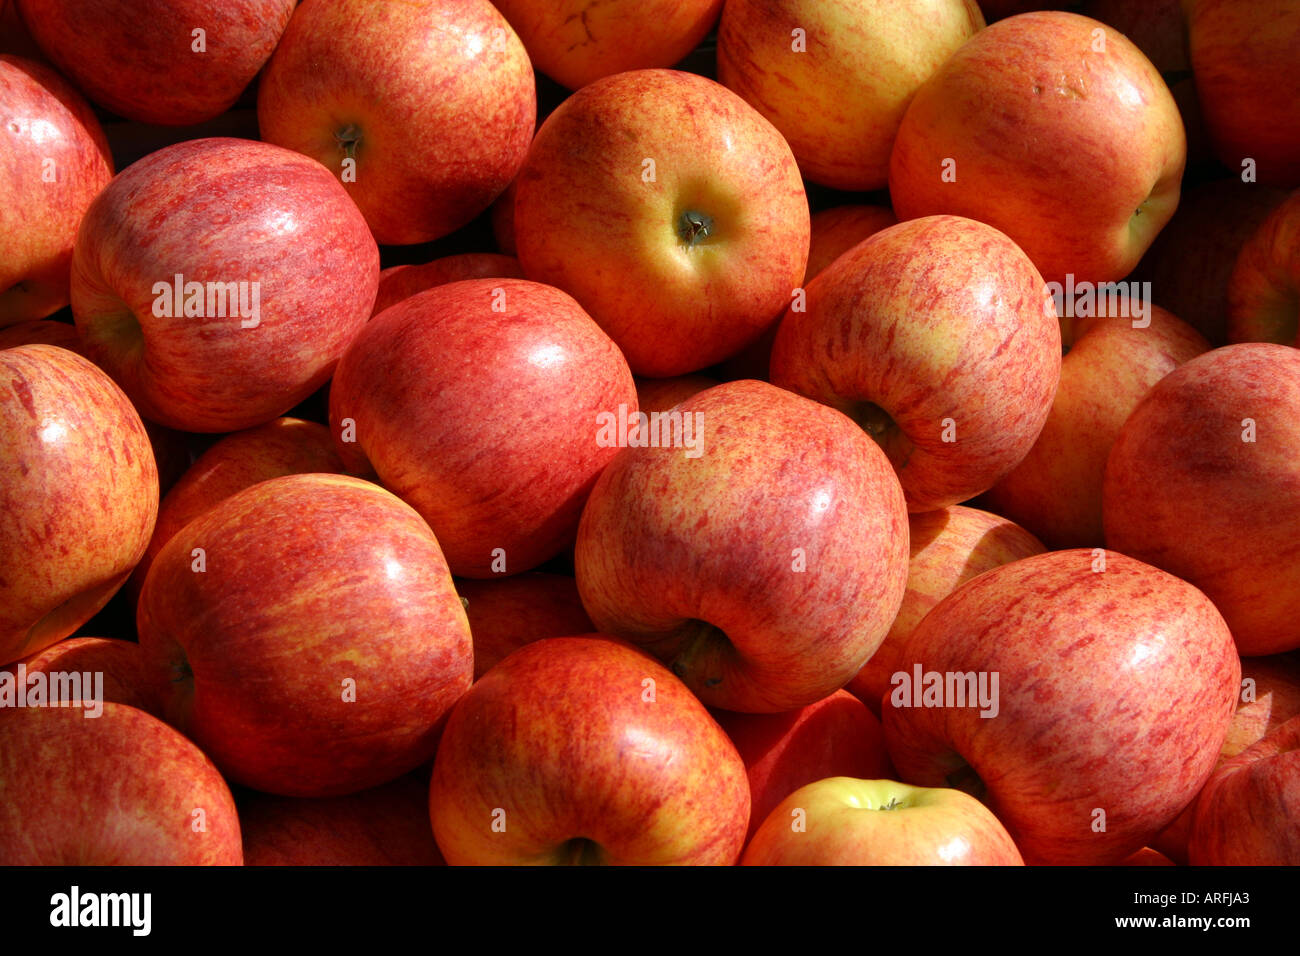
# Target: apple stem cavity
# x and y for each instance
(693, 228)
(699, 646)
(581, 852)
(348, 138)
(965, 778)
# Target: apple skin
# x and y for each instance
(310, 581)
(1191, 261)
(507, 613)
(384, 826)
(576, 42)
(664, 394)
(925, 827)
(78, 495)
(1147, 857)
(477, 403)
(222, 210)
(1264, 288)
(835, 737)
(401, 282)
(121, 663)
(836, 230)
(674, 297)
(1184, 492)
(1243, 59)
(839, 102)
(582, 741)
(502, 216)
(121, 789)
(283, 446)
(136, 58)
(1055, 491)
(435, 101)
(934, 320)
(948, 548)
(1246, 815)
(1116, 689)
(43, 120)
(1116, 147)
(766, 570)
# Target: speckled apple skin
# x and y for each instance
(223, 210)
(585, 737)
(136, 57)
(1184, 492)
(1116, 690)
(401, 282)
(507, 613)
(310, 580)
(78, 495)
(1054, 143)
(666, 540)
(587, 221)
(121, 663)
(120, 789)
(836, 230)
(1264, 288)
(932, 319)
(484, 421)
(441, 93)
(43, 117)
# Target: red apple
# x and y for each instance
(116, 667)
(1247, 813)
(123, 789)
(307, 635)
(1113, 355)
(1264, 289)
(664, 394)
(425, 110)
(1115, 685)
(584, 750)
(671, 210)
(842, 821)
(835, 76)
(480, 404)
(55, 160)
(765, 564)
(261, 243)
(78, 495)
(507, 613)
(836, 230)
(576, 42)
(1056, 130)
(1204, 482)
(176, 62)
(835, 737)
(1147, 857)
(938, 337)
(948, 548)
(401, 282)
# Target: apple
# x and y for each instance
(1056, 130)
(1190, 262)
(502, 216)
(384, 826)
(842, 821)
(948, 548)
(939, 338)
(122, 789)
(403, 281)
(14, 37)
(664, 394)
(78, 495)
(1114, 355)
(835, 737)
(576, 42)
(305, 633)
(1204, 482)
(1246, 815)
(764, 564)
(425, 111)
(175, 62)
(671, 210)
(1115, 686)
(1264, 288)
(1147, 857)
(507, 613)
(56, 160)
(836, 230)
(119, 665)
(583, 750)
(1243, 59)
(219, 280)
(480, 404)
(835, 76)
(283, 446)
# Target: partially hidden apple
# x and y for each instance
(403, 281)
(507, 613)
(1264, 288)
(112, 669)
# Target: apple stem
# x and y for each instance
(348, 138)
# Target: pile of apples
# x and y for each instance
(650, 431)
